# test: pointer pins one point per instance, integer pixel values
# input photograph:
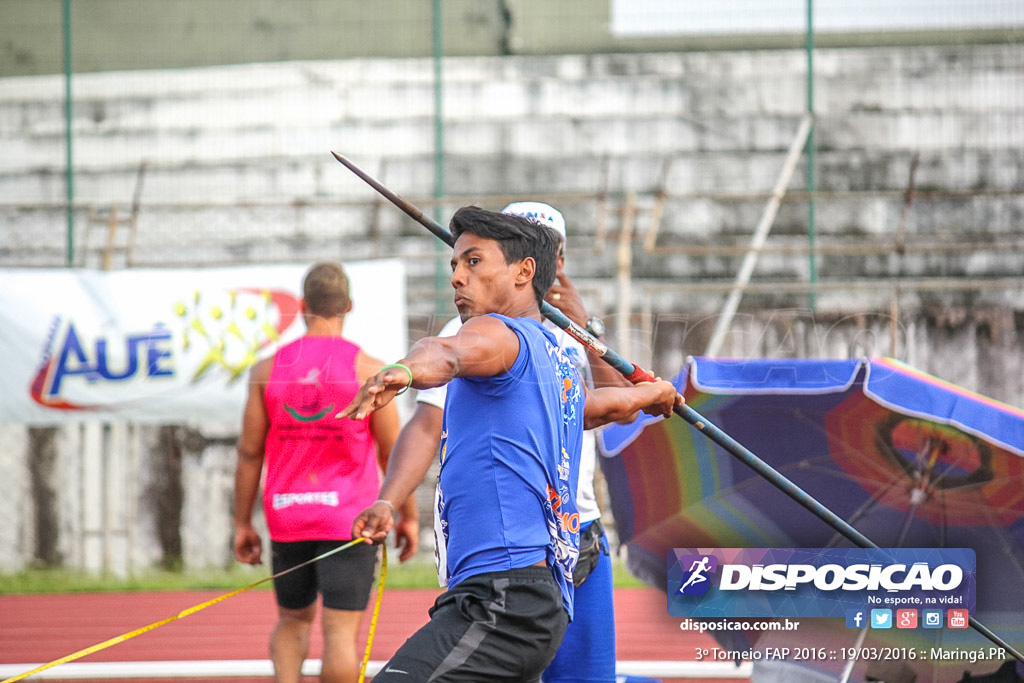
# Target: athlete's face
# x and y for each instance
(483, 281)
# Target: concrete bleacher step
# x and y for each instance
(681, 102)
(980, 79)
(238, 159)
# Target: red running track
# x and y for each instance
(43, 628)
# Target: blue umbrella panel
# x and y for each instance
(906, 458)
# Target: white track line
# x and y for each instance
(237, 668)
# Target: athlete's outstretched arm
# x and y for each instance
(483, 347)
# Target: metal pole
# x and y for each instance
(69, 170)
(812, 266)
(771, 209)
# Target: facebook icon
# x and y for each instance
(855, 618)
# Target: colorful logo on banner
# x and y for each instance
(850, 583)
(207, 333)
(697, 579)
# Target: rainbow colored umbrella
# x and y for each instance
(906, 458)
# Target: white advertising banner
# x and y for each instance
(166, 345)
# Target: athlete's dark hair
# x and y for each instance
(517, 237)
(325, 290)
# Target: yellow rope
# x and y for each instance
(376, 610)
(192, 610)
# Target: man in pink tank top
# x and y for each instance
(318, 474)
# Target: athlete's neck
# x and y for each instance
(318, 326)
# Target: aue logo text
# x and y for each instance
(858, 583)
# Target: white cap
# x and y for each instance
(542, 213)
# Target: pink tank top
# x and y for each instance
(320, 472)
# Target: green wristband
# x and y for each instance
(404, 367)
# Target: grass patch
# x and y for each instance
(417, 573)
(78, 581)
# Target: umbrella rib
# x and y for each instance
(944, 473)
(944, 527)
(864, 509)
(837, 445)
(993, 523)
(888, 482)
(814, 465)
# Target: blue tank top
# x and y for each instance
(510, 455)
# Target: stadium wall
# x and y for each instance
(666, 158)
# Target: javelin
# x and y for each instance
(635, 374)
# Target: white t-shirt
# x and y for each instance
(586, 500)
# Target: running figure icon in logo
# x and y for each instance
(696, 582)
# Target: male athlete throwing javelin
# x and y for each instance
(509, 460)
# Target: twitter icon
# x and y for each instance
(881, 618)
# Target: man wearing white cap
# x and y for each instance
(587, 652)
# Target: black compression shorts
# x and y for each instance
(343, 579)
(495, 627)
